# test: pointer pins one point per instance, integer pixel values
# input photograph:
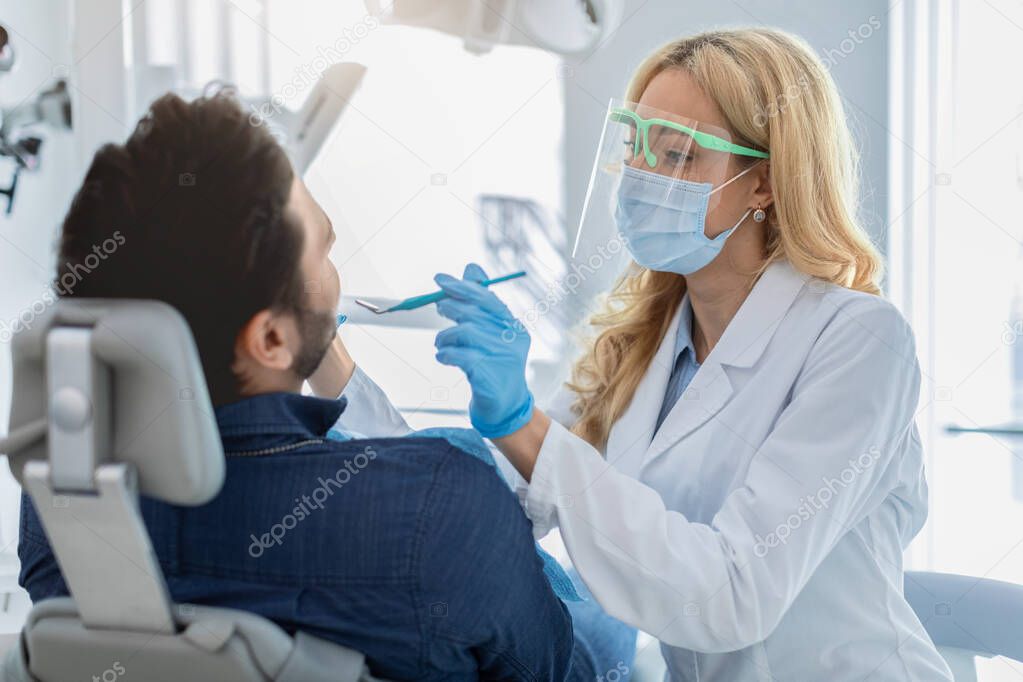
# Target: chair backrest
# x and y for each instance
(130, 370)
(109, 402)
(967, 616)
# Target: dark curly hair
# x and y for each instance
(196, 200)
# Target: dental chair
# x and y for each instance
(109, 403)
(967, 617)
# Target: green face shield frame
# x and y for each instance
(703, 139)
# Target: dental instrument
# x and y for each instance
(427, 299)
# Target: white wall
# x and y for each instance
(860, 68)
(40, 33)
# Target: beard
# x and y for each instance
(317, 330)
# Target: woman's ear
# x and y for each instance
(763, 196)
(263, 343)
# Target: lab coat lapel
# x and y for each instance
(706, 394)
(742, 345)
(631, 435)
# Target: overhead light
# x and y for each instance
(566, 27)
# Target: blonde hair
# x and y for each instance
(776, 95)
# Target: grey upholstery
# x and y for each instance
(213, 644)
(163, 425)
(967, 617)
(109, 400)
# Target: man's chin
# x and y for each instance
(318, 330)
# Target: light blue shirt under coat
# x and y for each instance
(685, 366)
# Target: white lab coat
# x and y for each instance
(759, 534)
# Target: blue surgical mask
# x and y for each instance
(664, 221)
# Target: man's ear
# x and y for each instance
(264, 341)
(763, 195)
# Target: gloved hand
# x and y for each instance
(490, 346)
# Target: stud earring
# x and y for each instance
(759, 215)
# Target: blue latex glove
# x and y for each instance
(490, 346)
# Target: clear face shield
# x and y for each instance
(656, 172)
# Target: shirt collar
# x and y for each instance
(279, 413)
(684, 339)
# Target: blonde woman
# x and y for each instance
(734, 466)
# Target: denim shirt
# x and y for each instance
(408, 550)
(685, 367)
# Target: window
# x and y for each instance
(956, 268)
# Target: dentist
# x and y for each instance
(734, 466)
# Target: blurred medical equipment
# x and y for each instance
(1013, 335)
(561, 26)
(303, 132)
(521, 232)
(426, 299)
(109, 403)
(518, 229)
(6, 50)
(51, 107)
(1011, 432)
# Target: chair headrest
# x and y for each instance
(161, 418)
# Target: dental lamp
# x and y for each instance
(304, 132)
(51, 107)
(566, 27)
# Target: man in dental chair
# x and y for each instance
(407, 549)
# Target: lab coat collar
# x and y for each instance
(742, 345)
(632, 434)
(749, 332)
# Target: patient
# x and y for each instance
(406, 549)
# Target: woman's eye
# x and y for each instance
(631, 151)
(678, 158)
